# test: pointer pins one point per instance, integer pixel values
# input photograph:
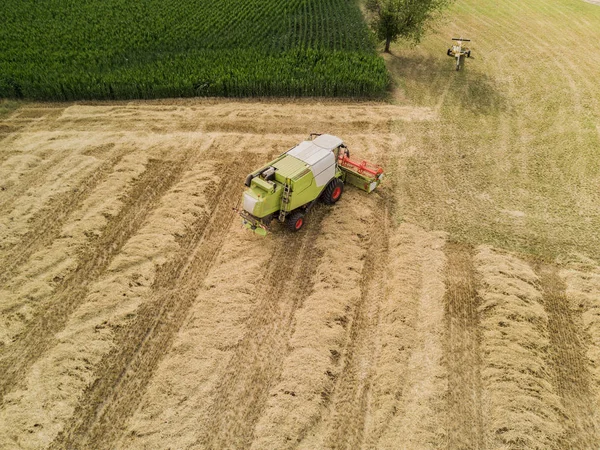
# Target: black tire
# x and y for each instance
(449, 52)
(295, 221)
(333, 191)
(469, 54)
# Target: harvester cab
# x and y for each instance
(459, 51)
(286, 188)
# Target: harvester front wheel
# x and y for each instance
(295, 221)
(333, 191)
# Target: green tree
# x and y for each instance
(406, 19)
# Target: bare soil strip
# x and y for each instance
(567, 360)
(38, 337)
(462, 352)
(254, 368)
(350, 399)
(123, 375)
(45, 226)
(520, 406)
(581, 289)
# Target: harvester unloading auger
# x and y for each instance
(287, 187)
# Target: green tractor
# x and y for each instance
(286, 188)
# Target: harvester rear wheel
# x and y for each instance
(333, 191)
(295, 221)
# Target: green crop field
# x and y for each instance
(117, 49)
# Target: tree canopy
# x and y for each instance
(406, 19)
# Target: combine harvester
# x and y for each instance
(287, 188)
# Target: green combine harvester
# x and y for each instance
(286, 188)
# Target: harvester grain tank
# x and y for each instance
(286, 188)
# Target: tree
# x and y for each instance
(407, 19)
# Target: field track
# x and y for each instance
(455, 307)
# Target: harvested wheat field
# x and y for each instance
(457, 306)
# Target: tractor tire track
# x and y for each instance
(94, 260)
(46, 226)
(256, 365)
(123, 375)
(351, 395)
(463, 357)
(568, 362)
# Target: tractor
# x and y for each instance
(286, 188)
(459, 52)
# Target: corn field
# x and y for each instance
(117, 49)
